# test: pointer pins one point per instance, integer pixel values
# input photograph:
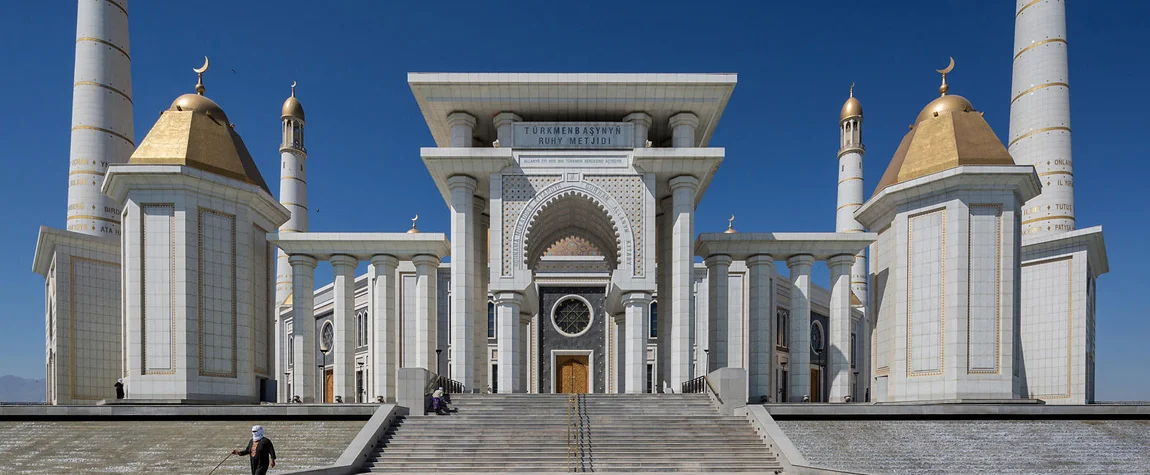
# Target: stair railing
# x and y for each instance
(701, 385)
(572, 430)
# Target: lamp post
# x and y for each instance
(437, 367)
(783, 385)
(322, 382)
(706, 361)
(361, 381)
(287, 381)
(855, 387)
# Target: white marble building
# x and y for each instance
(573, 263)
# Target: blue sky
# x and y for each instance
(795, 61)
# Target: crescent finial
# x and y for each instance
(200, 76)
(950, 67)
(947, 69)
(293, 88)
(852, 89)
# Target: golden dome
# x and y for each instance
(292, 107)
(944, 104)
(201, 104)
(852, 107)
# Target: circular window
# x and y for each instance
(572, 315)
(327, 337)
(816, 337)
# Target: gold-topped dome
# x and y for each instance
(731, 226)
(195, 132)
(292, 107)
(413, 230)
(852, 107)
(948, 133)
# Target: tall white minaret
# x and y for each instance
(101, 114)
(851, 152)
(293, 187)
(1040, 114)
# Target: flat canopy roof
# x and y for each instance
(362, 246)
(584, 97)
(781, 246)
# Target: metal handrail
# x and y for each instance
(572, 407)
(700, 385)
(449, 385)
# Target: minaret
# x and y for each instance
(101, 114)
(1040, 114)
(293, 186)
(850, 189)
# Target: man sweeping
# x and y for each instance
(261, 450)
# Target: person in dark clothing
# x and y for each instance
(261, 450)
(119, 388)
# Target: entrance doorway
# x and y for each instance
(328, 386)
(571, 374)
(816, 389)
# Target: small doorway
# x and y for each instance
(328, 386)
(816, 388)
(571, 375)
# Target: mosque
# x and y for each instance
(573, 264)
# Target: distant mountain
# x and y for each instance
(17, 389)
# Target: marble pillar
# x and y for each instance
(683, 189)
(343, 323)
(799, 341)
(839, 357)
(718, 279)
(426, 281)
(462, 320)
(303, 327)
(683, 127)
(665, 298)
(637, 307)
(384, 326)
(479, 274)
(761, 320)
(504, 123)
(509, 341)
(642, 124)
(462, 127)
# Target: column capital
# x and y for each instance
(384, 260)
(637, 298)
(841, 260)
(461, 118)
(425, 260)
(505, 118)
(508, 298)
(760, 260)
(800, 260)
(684, 181)
(343, 261)
(667, 204)
(684, 118)
(641, 118)
(478, 203)
(717, 260)
(302, 260)
(457, 182)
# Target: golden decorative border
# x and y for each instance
(1024, 7)
(1069, 327)
(105, 43)
(85, 172)
(997, 207)
(1039, 43)
(106, 131)
(72, 321)
(1047, 218)
(98, 218)
(289, 177)
(289, 203)
(117, 5)
(105, 86)
(941, 297)
(844, 180)
(201, 211)
(1040, 86)
(1032, 132)
(171, 288)
(848, 204)
(1057, 172)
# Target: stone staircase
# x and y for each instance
(613, 433)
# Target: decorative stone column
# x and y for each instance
(799, 340)
(505, 127)
(665, 295)
(637, 307)
(718, 278)
(462, 320)
(509, 338)
(479, 275)
(303, 327)
(683, 190)
(343, 323)
(383, 326)
(524, 339)
(425, 331)
(760, 365)
(642, 125)
(839, 360)
(683, 127)
(462, 127)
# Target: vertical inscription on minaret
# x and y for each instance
(1040, 114)
(101, 114)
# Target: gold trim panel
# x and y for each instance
(105, 43)
(1039, 43)
(997, 288)
(1024, 7)
(849, 204)
(289, 203)
(117, 5)
(97, 218)
(100, 129)
(1040, 86)
(1057, 172)
(941, 295)
(105, 86)
(1048, 218)
(301, 180)
(1032, 132)
(85, 172)
(844, 180)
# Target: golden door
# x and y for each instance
(571, 374)
(328, 385)
(816, 388)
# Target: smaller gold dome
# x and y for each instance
(944, 104)
(852, 108)
(292, 108)
(201, 104)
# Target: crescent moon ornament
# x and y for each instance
(202, 69)
(200, 76)
(293, 88)
(943, 88)
(948, 69)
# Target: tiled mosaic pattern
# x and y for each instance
(984, 274)
(217, 278)
(1047, 319)
(518, 190)
(159, 269)
(94, 328)
(628, 191)
(926, 319)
